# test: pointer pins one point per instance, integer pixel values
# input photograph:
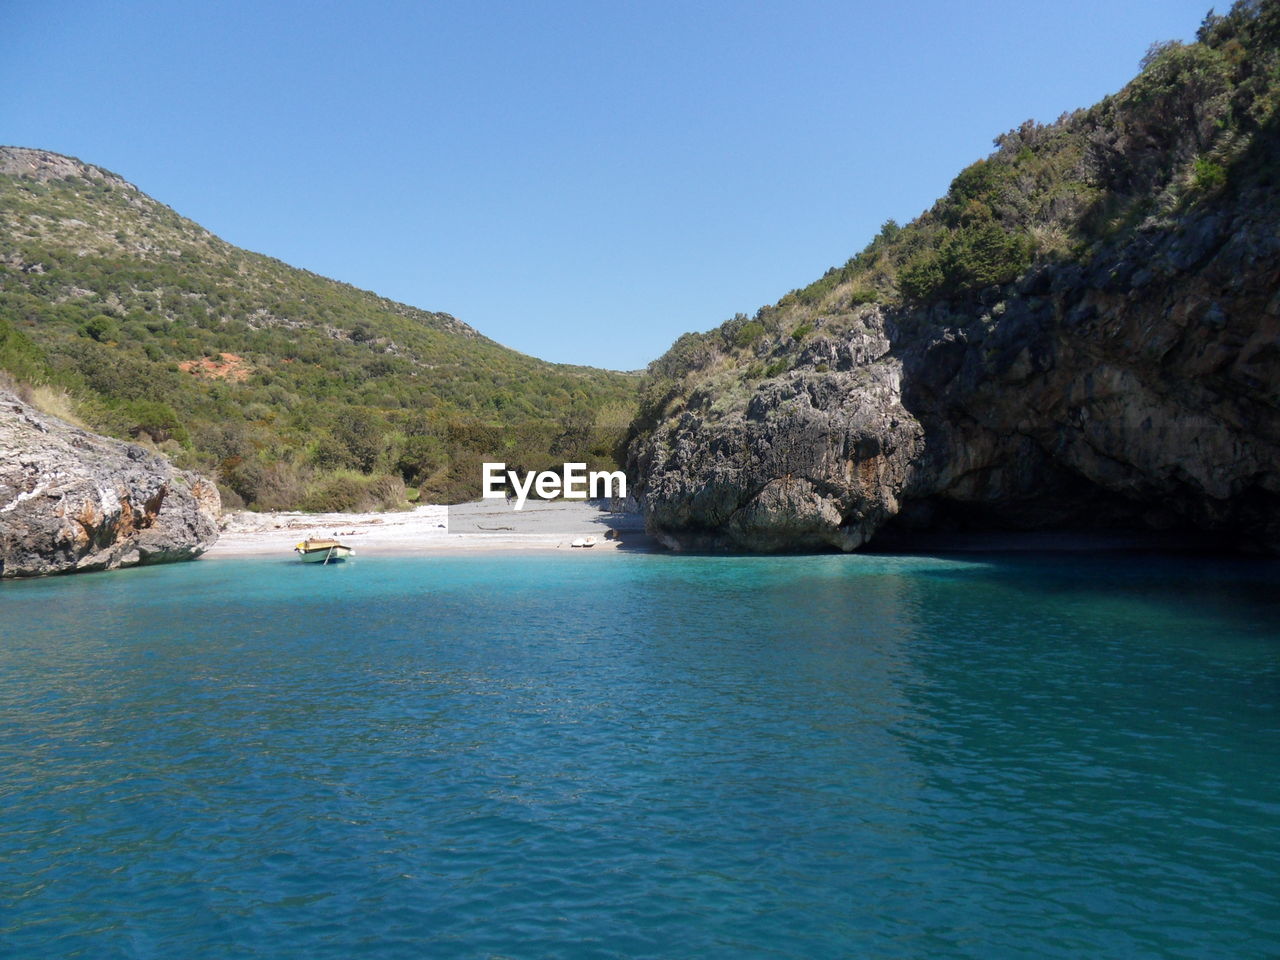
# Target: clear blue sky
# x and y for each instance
(583, 181)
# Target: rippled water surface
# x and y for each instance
(643, 756)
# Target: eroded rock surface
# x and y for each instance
(814, 459)
(71, 500)
(1142, 392)
(1082, 335)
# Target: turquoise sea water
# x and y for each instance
(643, 756)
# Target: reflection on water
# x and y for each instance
(642, 756)
(1094, 745)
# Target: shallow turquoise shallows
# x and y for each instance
(643, 756)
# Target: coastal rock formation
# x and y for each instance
(71, 500)
(812, 459)
(1079, 404)
(1084, 334)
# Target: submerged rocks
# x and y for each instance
(71, 500)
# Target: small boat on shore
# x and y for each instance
(583, 542)
(322, 551)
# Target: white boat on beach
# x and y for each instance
(322, 551)
(583, 542)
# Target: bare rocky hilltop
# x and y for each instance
(73, 501)
(1083, 335)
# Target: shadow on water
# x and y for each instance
(1090, 727)
(830, 755)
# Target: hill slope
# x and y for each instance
(292, 388)
(1084, 332)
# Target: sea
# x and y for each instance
(644, 755)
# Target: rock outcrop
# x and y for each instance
(44, 166)
(1084, 334)
(814, 459)
(1074, 401)
(71, 500)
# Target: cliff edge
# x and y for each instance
(73, 501)
(1083, 335)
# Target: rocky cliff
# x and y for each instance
(1083, 334)
(71, 500)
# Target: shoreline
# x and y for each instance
(482, 526)
(493, 526)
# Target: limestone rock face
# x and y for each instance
(44, 166)
(813, 460)
(71, 500)
(1140, 391)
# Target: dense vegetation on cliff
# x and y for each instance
(1083, 332)
(1199, 121)
(294, 390)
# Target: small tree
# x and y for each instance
(101, 328)
(363, 435)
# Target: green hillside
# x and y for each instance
(1197, 125)
(293, 389)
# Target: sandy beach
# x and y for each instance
(493, 525)
(482, 525)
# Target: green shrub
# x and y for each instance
(363, 436)
(922, 276)
(351, 492)
(748, 334)
(1208, 174)
(155, 419)
(459, 482)
(19, 355)
(968, 260)
(337, 493)
(420, 456)
(985, 256)
(388, 492)
(101, 328)
(816, 291)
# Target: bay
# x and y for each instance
(644, 756)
